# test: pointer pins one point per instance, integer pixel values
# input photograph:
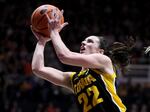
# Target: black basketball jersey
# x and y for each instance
(96, 92)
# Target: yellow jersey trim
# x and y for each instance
(109, 81)
(71, 76)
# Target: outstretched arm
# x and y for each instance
(50, 74)
(66, 56)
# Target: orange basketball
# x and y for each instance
(39, 20)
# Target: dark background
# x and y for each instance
(22, 91)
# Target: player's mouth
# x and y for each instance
(82, 48)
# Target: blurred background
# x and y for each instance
(22, 91)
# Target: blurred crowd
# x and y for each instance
(22, 91)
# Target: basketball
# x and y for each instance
(39, 20)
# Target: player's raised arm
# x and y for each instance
(50, 74)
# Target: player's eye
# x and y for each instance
(90, 41)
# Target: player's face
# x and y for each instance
(90, 45)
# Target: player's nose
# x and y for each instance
(83, 43)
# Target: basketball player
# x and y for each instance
(94, 86)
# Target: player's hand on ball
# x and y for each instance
(54, 24)
(147, 51)
(38, 36)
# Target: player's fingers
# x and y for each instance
(62, 11)
(34, 32)
(57, 17)
(64, 24)
(32, 29)
(49, 20)
(54, 14)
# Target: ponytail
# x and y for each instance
(120, 53)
